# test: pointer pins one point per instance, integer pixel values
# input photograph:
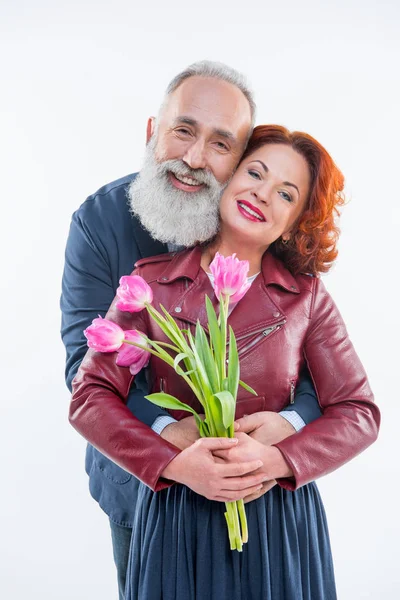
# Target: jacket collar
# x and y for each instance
(190, 305)
(275, 273)
(186, 264)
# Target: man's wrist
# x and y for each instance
(274, 465)
(161, 423)
(293, 418)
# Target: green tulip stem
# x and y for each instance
(234, 525)
(231, 532)
(243, 521)
(168, 359)
(205, 372)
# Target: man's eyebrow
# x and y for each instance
(226, 134)
(186, 120)
(221, 132)
(264, 166)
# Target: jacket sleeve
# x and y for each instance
(87, 291)
(350, 420)
(98, 411)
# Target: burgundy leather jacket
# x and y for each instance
(282, 324)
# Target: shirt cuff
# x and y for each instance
(290, 415)
(161, 422)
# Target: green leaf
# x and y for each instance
(228, 404)
(177, 360)
(175, 330)
(170, 346)
(166, 401)
(213, 328)
(203, 428)
(168, 326)
(202, 375)
(233, 364)
(205, 354)
(161, 353)
(247, 387)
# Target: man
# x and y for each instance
(193, 148)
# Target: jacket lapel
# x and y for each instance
(256, 313)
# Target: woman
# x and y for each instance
(278, 213)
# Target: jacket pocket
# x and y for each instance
(250, 405)
(247, 343)
(110, 470)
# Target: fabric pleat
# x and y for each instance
(180, 548)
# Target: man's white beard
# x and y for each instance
(171, 215)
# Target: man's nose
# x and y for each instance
(195, 155)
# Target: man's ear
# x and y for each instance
(151, 124)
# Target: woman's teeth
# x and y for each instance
(251, 212)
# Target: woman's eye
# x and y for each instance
(254, 174)
(286, 196)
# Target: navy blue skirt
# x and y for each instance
(180, 548)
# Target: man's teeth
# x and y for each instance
(187, 180)
(251, 212)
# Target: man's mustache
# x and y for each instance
(181, 169)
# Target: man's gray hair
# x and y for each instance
(217, 70)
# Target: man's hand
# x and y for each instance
(266, 427)
(181, 434)
(197, 468)
(274, 465)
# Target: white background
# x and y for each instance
(78, 81)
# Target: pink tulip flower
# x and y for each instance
(131, 356)
(104, 335)
(133, 293)
(230, 277)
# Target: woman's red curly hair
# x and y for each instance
(312, 246)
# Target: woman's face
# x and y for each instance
(266, 196)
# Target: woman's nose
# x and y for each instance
(262, 193)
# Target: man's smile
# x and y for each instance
(185, 183)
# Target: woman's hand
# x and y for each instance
(274, 465)
(198, 468)
(266, 486)
(266, 427)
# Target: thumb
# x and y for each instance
(247, 423)
(217, 443)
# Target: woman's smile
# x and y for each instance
(249, 211)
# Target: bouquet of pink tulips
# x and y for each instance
(200, 360)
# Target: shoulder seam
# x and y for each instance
(313, 295)
(93, 196)
(167, 257)
(108, 191)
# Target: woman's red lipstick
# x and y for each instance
(248, 215)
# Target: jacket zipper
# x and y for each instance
(264, 333)
(161, 384)
(292, 388)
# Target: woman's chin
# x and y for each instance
(242, 234)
